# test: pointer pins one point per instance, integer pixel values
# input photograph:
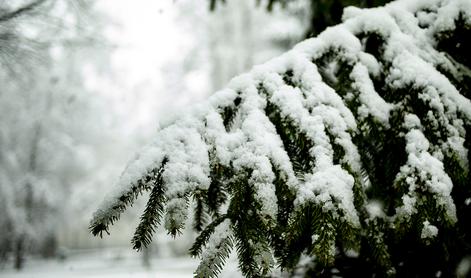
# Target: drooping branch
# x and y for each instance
(341, 155)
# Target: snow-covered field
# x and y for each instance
(116, 263)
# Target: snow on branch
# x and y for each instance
(360, 129)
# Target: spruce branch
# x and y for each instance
(204, 236)
(217, 251)
(347, 156)
(200, 216)
(153, 212)
(102, 219)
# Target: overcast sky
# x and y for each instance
(148, 37)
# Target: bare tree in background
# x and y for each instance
(47, 115)
(324, 13)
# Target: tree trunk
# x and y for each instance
(49, 246)
(19, 253)
(146, 254)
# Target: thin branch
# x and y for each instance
(22, 10)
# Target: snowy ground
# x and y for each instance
(116, 263)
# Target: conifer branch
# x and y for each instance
(102, 219)
(348, 155)
(204, 236)
(150, 219)
(217, 251)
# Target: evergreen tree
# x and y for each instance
(346, 156)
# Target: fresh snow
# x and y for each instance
(423, 168)
(428, 231)
(113, 263)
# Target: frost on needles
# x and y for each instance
(346, 156)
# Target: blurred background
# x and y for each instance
(84, 85)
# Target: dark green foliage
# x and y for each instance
(174, 227)
(229, 113)
(216, 191)
(213, 266)
(216, 194)
(373, 243)
(200, 217)
(250, 230)
(295, 141)
(285, 199)
(203, 237)
(150, 219)
(457, 42)
(302, 227)
(126, 199)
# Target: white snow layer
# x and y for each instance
(428, 230)
(216, 251)
(422, 169)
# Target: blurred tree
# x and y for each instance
(47, 118)
(13, 44)
(235, 43)
(323, 13)
(347, 156)
(227, 42)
